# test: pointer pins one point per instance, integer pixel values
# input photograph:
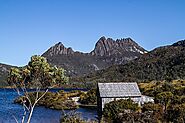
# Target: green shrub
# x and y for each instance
(176, 113)
(114, 108)
(89, 98)
(71, 117)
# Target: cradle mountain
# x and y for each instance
(107, 52)
(116, 60)
(162, 63)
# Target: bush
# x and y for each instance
(152, 107)
(89, 98)
(114, 108)
(176, 113)
(71, 117)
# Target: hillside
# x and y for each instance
(107, 52)
(167, 62)
(3, 73)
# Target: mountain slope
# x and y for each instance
(107, 52)
(3, 73)
(166, 62)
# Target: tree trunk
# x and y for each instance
(30, 115)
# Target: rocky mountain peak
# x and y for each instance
(102, 38)
(59, 49)
(107, 52)
(108, 47)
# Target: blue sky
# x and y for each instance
(29, 27)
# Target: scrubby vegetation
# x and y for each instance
(55, 100)
(89, 98)
(63, 100)
(71, 117)
(169, 94)
(160, 64)
(113, 109)
(74, 117)
(169, 104)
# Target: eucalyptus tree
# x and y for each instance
(38, 74)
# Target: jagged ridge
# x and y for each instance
(107, 52)
(59, 48)
(108, 47)
(167, 62)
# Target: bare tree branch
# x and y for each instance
(15, 119)
(24, 115)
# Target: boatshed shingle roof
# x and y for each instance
(119, 89)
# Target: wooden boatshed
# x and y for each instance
(107, 92)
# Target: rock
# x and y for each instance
(60, 49)
(108, 47)
(107, 52)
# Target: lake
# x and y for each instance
(9, 110)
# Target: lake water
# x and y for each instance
(9, 110)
